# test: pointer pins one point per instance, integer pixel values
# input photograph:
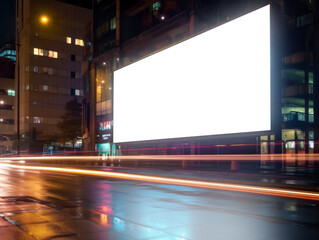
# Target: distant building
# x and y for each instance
(50, 36)
(7, 99)
(125, 31)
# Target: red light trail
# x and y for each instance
(221, 157)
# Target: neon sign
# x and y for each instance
(105, 125)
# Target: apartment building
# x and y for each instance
(50, 39)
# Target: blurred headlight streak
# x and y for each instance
(224, 157)
(244, 157)
(182, 182)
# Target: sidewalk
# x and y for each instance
(26, 218)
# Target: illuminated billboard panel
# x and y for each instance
(217, 82)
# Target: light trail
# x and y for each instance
(226, 157)
(175, 181)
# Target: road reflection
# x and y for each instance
(176, 181)
(110, 208)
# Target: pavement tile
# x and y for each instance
(168, 237)
(26, 218)
(202, 232)
(103, 220)
(80, 226)
(141, 209)
(13, 233)
(53, 215)
(161, 220)
(21, 207)
(222, 228)
(80, 213)
(46, 230)
(135, 231)
(109, 235)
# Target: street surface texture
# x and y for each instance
(42, 205)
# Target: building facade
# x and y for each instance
(50, 40)
(7, 99)
(125, 31)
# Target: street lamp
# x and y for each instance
(44, 19)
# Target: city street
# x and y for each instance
(45, 205)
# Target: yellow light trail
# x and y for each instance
(181, 182)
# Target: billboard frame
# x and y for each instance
(275, 85)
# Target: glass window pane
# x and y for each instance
(35, 51)
(79, 42)
(68, 40)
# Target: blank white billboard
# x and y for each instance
(217, 82)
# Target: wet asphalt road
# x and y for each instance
(42, 205)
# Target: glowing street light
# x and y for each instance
(44, 19)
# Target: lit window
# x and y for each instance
(68, 40)
(45, 87)
(53, 54)
(38, 51)
(113, 23)
(36, 119)
(79, 42)
(156, 6)
(11, 92)
(35, 51)
(75, 92)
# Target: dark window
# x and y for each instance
(7, 121)
(72, 74)
(72, 57)
(113, 23)
(6, 106)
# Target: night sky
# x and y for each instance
(7, 15)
